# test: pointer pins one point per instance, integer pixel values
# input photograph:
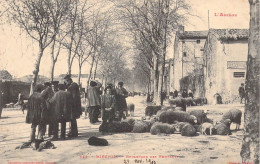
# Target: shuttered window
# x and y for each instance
(239, 74)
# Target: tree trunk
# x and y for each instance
(52, 59)
(160, 83)
(37, 66)
(156, 99)
(96, 69)
(79, 75)
(90, 71)
(250, 145)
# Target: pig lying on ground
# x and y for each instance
(171, 116)
(223, 128)
(159, 128)
(188, 130)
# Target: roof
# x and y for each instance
(193, 35)
(5, 75)
(230, 34)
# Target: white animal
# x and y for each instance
(205, 126)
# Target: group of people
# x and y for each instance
(111, 105)
(184, 94)
(51, 104)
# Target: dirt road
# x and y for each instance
(125, 147)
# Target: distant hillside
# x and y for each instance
(29, 79)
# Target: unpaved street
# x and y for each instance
(125, 147)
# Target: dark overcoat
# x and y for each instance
(73, 89)
(36, 109)
(120, 96)
(61, 103)
(47, 94)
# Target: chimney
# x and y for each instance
(181, 29)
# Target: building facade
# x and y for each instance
(188, 58)
(225, 56)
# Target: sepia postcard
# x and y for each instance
(126, 81)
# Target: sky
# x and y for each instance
(18, 51)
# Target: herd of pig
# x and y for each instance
(175, 119)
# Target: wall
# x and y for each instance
(184, 66)
(218, 78)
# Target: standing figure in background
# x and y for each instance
(121, 106)
(241, 91)
(73, 89)
(175, 93)
(184, 93)
(94, 101)
(20, 101)
(108, 105)
(190, 94)
(36, 113)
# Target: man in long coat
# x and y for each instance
(61, 103)
(47, 94)
(73, 89)
(121, 106)
(36, 114)
(94, 101)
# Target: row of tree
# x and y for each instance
(150, 23)
(83, 29)
(90, 32)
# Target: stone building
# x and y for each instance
(225, 56)
(188, 58)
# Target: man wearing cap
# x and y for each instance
(94, 101)
(36, 112)
(73, 88)
(121, 105)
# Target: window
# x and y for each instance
(184, 54)
(198, 41)
(239, 74)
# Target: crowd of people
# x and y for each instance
(52, 103)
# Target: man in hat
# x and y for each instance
(94, 101)
(36, 113)
(121, 105)
(73, 88)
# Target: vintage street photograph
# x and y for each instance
(129, 81)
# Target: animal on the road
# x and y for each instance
(131, 108)
(159, 128)
(171, 116)
(223, 128)
(188, 130)
(152, 110)
(207, 126)
(234, 115)
(200, 115)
